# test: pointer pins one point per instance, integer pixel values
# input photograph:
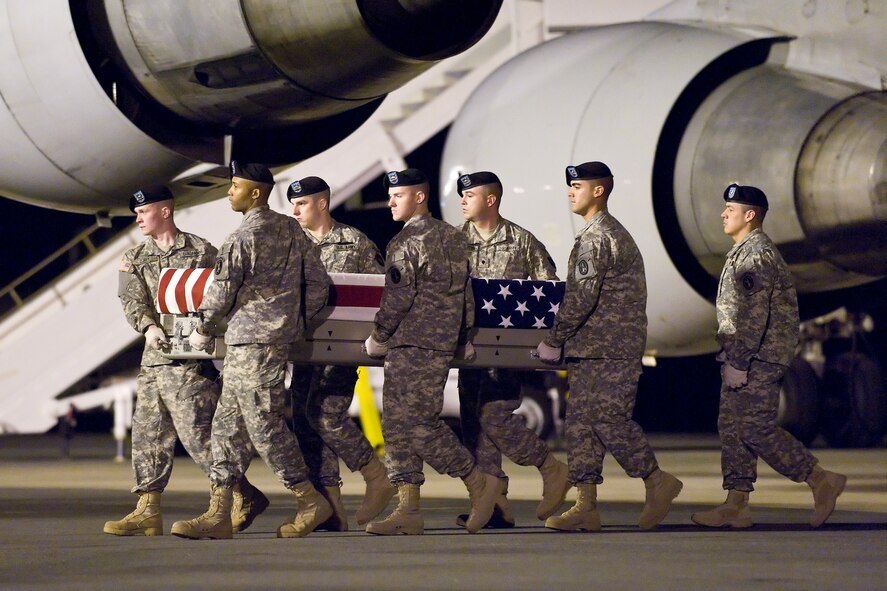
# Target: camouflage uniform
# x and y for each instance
(419, 317)
(260, 274)
(489, 397)
(173, 397)
(321, 394)
(758, 331)
(602, 325)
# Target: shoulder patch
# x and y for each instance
(750, 282)
(394, 275)
(125, 266)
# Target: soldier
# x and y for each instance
(322, 394)
(261, 272)
(500, 249)
(174, 398)
(601, 328)
(758, 331)
(417, 329)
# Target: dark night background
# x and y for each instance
(679, 395)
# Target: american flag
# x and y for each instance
(516, 303)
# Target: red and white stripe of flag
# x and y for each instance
(181, 290)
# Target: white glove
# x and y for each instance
(734, 378)
(374, 348)
(200, 342)
(156, 338)
(465, 352)
(548, 354)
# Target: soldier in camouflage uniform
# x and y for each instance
(262, 269)
(174, 398)
(601, 328)
(417, 329)
(321, 394)
(500, 249)
(758, 331)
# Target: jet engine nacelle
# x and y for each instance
(678, 112)
(98, 97)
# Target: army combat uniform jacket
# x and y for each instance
(345, 249)
(757, 305)
(260, 274)
(424, 298)
(140, 275)
(510, 253)
(603, 314)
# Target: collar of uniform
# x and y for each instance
(416, 218)
(256, 211)
(502, 233)
(594, 221)
(748, 237)
(178, 243)
(332, 236)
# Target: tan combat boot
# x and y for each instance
(582, 516)
(405, 519)
(379, 491)
(248, 502)
(554, 486)
(502, 517)
(662, 488)
(338, 521)
(314, 509)
(215, 524)
(733, 513)
(827, 487)
(145, 520)
(483, 490)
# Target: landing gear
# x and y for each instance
(854, 408)
(841, 396)
(799, 401)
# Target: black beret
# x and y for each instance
(258, 173)
(307, 186)
(151, 194)
(587, 171)
(404, 178)
(747, 195)
(477, 179)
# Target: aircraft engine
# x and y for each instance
(98, 95)
(678, 112)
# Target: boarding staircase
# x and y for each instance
(75, 324)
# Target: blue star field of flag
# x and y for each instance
(516, 303)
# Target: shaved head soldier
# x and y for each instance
(321, 394)
(268, 283)
(500, 249)
(173, 398)
(601, 328)
(758, 331)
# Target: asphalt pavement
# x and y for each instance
(52, 510)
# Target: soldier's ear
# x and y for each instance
(420, 196)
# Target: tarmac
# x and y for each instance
(52, 510)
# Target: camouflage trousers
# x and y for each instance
(320, 397)
(747, 428)
(177, 399)
(413, 400)
(602, 397)
(250, 417)
(487, 401)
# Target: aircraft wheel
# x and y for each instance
(799, 401)
(854, 410)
